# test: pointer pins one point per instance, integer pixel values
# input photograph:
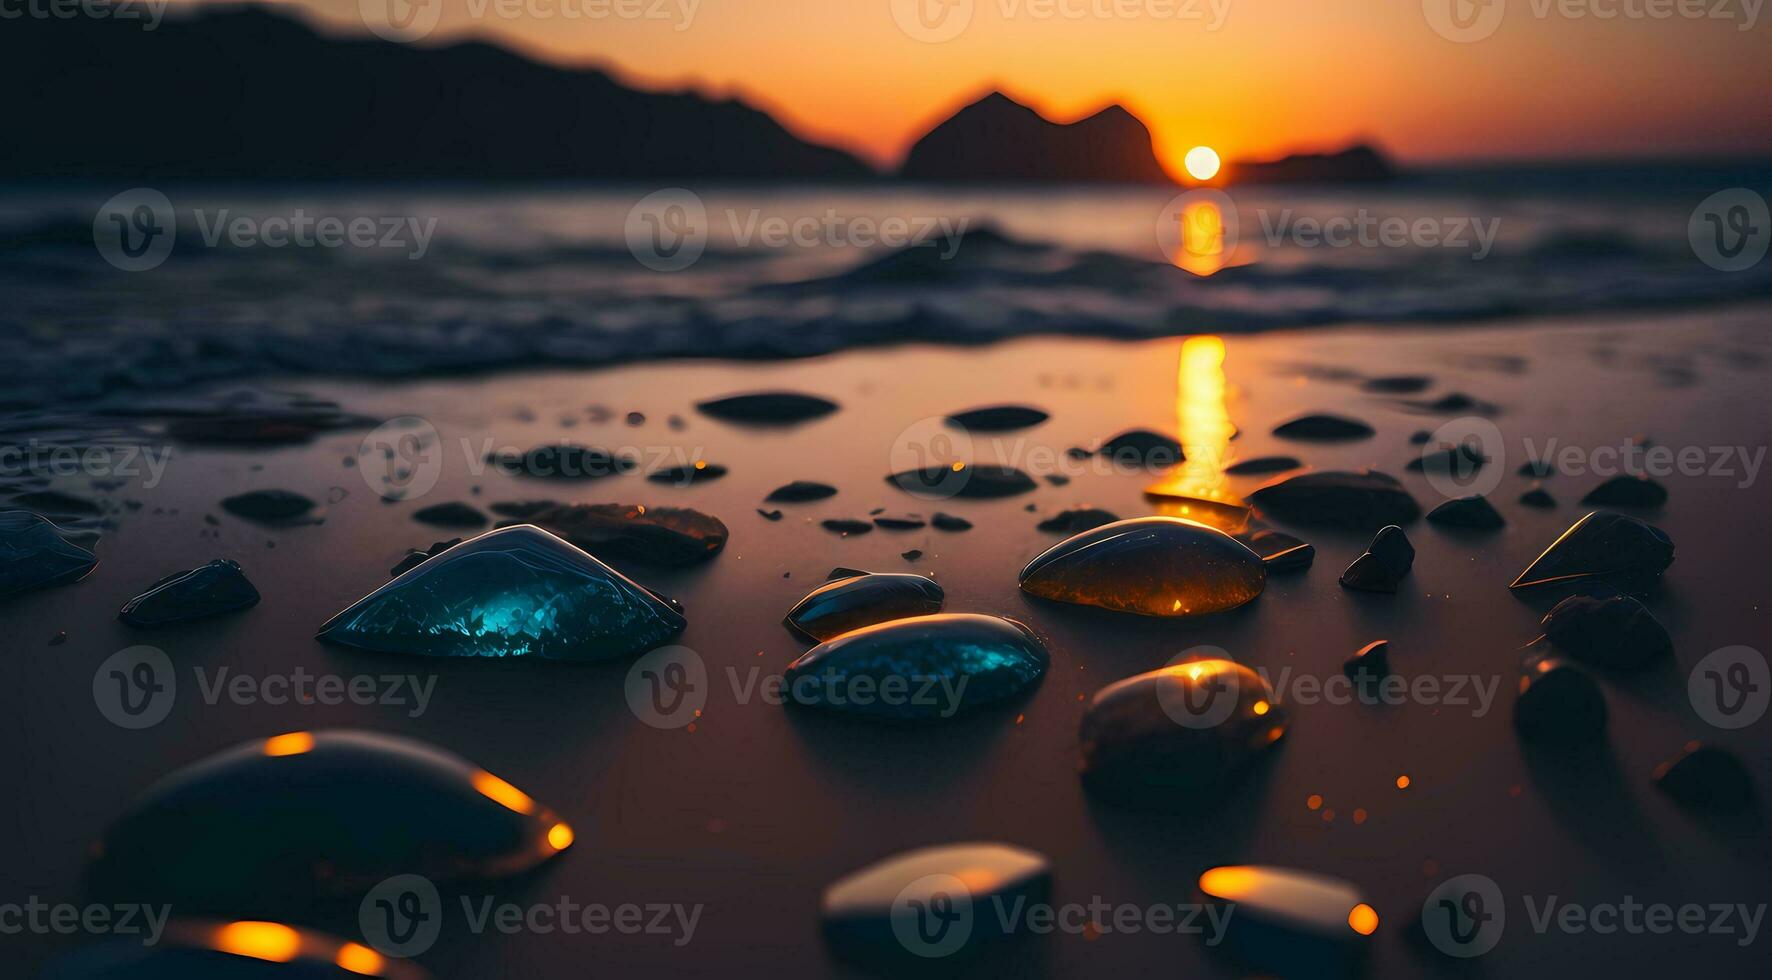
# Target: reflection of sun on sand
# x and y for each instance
(1196, 489)
(1201, 246)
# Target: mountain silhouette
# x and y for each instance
(1356, 163)
(245, 92)
(999, 139)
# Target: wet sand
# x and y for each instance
(758, 808)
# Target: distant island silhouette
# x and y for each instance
(251, 92)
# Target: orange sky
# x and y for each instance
(1277, 75)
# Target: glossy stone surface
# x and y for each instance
(1387, 560)
(207, 590)
(632, 532)
(1142, 448)
(1371, 662)
(1473, 512)
(767, 407)
(1290, 922)
(934, 666)
(269, 506)
(1602, 547)
(980, 482)
(33, 554)
(1184, 732)
(1361, 499)
(278, 823)
(1558, 702)
(1151, 566)
(1706, 777)
(799, 492)
(1627, 491)
(949, 523)
(1077, 519)
(933, 901)
(515, 592)
(998, 418)
(1323, 428)
(199, 949)
(847, 604)
(1279, 552)
(1613, 631)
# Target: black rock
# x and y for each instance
(1458, 461)
(563, 462)
(1077, 519)
(1279, 552)
(1371, 663)
(654, 535)
(269, 506)
(912, 555)
(1058, 479)
(1540, 468)
(770, 515)
(1407, 384)
(34, 555)
(414, 557)
(1263, 465)
(207, 590)
(1323, 428)
(452, 514)
(948, 522)
(636, 418)
(1558, 702)
(998, 418)
(1707, 777)
(1627, 491)
(1420, 437)
(985, 481)
(1538, 497)
(1473, 512)
(767, 408)
(1359, 499)
(846, 528)
(1602, 548)
(799, 492)
(899, 523)
(846, 604)
(1142, 448)
(1381, 569)
(1613, 631)
(697, 472)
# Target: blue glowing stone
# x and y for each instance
(919, 669)
(34, 556)
(515, 592)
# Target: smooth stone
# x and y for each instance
(1539, 468)
(1323, 428)
(1278, 551)
(846, 527)
(770, 515)
(767, 408)
(452, 514)
(998, 418)
(1357, 499)
(563, 462)
(1372, 662)
(941, 666)
(277, 824)
(899, 523)
(847, 604)
(1707, 777)
(415, 557)
(1614, 631)
(268, 506)
(33, 554)
(1388, 558)
(207, 590)
(1420, 437)
(1077, 519)
(1184, 732)
(981, 482)
(632, 532)
(1263, 465)
(1287, 922)
(799, 492)
(515, 592)
(1455, 403)
(912, 555)
(1538, 497)
(1602, 547)
(1368, 574)
(1627, 491)
(1151, 566)
(1404, 384)
(1474, 512)
(198, 949)
(1058, 479)
(697, 472)
(948, 522)
(884, 911)
(1143, 448)
(1558, 702)
(1458, 461)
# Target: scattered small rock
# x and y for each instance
(1627, 491)
(1707, 777)
(948, 522)
(1371, 663)
(1262, 465)
(799, 492)
(451, 514)
(847, 528)
(772, 515)
(1613, 631)
(1558, 702)
(1323, 428)
(1474, 512)
(1388, 558)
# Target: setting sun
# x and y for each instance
(1202, 163)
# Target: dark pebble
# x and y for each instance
(998, 418)
(1357, 499)
(1371, 663)
(767, 407)
(1614, 631)
(1707, 777)
(1323, 428)
(948, 522)
(1263, 465)
(1538, 497)
(452, 514)
(773, 515)
(846, 528)
(698, 472)
(1558, 702)
(899, 523)
(799, 492)
(1627, 491)
(1474, 512)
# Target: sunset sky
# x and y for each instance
(1277, 75)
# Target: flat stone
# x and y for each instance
(847, 604)
(451, 514)
(269, 506)
(900, 523)
(1614, 631)
(1602, 548)
(1404, 384)
(1558, 702)
(982, 482)
(629, 532)
(1142, 448)
(1357, 499)
(799, 492)
(1323, 428)
(950, 523)
(1538, 497)
(925, 668)
(1539, 468)
(998, 418)
(34, 555)
(1473, 512)
(1263, 465)
(1278, 551)
(1387, 560)
(1706, 777)
(207, 590)
(1150, 566)
(1627, 491)
(767, 408)
(1077, 519)
(699, 471)
(920, 906)
(846, 527)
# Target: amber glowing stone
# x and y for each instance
(1152, 566)
(1291, 922)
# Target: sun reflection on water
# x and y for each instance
(1196, 488)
